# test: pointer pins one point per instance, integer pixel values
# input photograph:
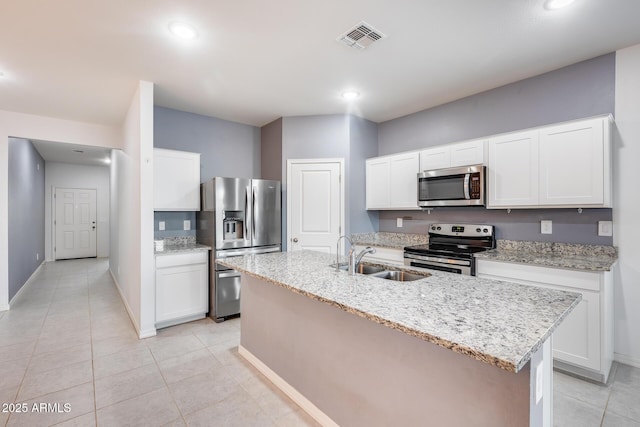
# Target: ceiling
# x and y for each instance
(72, 153)
(256, 60)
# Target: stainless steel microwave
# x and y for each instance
(461, 186)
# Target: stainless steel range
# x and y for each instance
(451, 248)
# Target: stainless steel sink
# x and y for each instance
(400, 276)
(362, 268)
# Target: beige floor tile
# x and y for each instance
(190, 364)
(86, 420)
(200, 391)
(123, 361)
(41, 383)
(12, 373)
(592, 393)
(57, 359)
(150, 409)
(111, 345)
(570, 412)
(236, 410)
(167, 347)
(18, 351)
(297, 418)
(50, 343)
(126, 385)
(50, 409)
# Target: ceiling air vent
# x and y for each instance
(361, 36)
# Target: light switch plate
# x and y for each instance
(539, 382)
(605, 228)
(161, 225)
(546, 227)
(399, 222)
(187, 224)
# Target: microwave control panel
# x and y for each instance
(474, 184)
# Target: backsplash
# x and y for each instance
(174, 225)
(569, 226)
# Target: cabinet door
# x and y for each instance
(572, 163)
(176, 176)
(377, 183)
(403, 170)
(577, 339)
(513, 170)
(467, 153)
(435, 158)
(181, 291)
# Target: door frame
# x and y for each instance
(54, 214)
(340, 161)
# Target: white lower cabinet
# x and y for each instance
(182, 287)
(583, 343)
(382, 255)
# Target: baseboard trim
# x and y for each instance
(626, 360)
(141, 334)
(288, 389)
(24, 286)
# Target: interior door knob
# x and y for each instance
(295, 240)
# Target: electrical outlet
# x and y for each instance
(399, 222)
(605, 228)
(546, 227)
(161, 225)
(187, 224)
(37, 256)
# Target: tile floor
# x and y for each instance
(68, 340)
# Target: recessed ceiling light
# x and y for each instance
(350, 95)
(557, 4)
(183, 30)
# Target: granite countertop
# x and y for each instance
(182, 248)
(499, 323)
(389, 240)
(555, 255)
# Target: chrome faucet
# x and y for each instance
(351, 254)
(358, 258)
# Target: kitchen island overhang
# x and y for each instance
(317, 333)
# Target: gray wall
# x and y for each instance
(226, 148)
(363, 135)
(580, 90)
(271, 150)
(26, 212)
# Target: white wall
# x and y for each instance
(626, 211)
(66, 175)
(45, 128)
(131, 261)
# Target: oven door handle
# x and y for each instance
(436, 259)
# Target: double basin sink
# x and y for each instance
(383, 273)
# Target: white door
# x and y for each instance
(75, 223)
(315, 207)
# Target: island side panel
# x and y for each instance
(359, 372)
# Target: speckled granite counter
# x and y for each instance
(556, 255)
(389, 240)
(499, 323)
(182, 248)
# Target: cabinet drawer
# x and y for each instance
(172, 260)
(544, 275)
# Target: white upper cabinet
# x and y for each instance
(453, 155)
(378, 183)
(391, 181)
(564, 165)
(176, 180)
(574, 164)
(513, 170)
(467, 153)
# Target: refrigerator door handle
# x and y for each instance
(253, 212)
(246, 206)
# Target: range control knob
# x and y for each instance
(439, 228)
(486, 230)
(478, 230)
(433, 228)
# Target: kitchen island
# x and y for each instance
(361, 350)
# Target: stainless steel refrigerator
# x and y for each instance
(238, 217)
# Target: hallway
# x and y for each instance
(68, 342)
